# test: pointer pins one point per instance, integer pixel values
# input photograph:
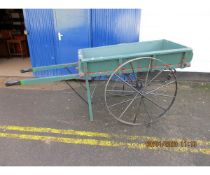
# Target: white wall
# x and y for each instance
(186, 23)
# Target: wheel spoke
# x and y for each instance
(122, 102)
(128, 84)
(155, 103)
(131, 81)
(147, 92)
(135, 116)
(159, 87)
(128, 106)
(158, 94)
(147, 112)
(119, 91)
(115, 86)
(146, 79)
(133, 70)
(155, 77)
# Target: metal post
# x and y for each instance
(89, 99)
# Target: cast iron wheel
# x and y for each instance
(140, 98)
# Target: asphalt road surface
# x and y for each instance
(51, 127)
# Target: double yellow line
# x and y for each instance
(96, 139)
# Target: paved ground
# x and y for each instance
(189, 118)
(12, 66)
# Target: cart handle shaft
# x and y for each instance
(26, 70)
(13, 83)
(42, 80)
(59, 66)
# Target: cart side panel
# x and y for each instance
(98, 68)
(177, 60)
(101, 60)
(106, 67)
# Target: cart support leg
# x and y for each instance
(89, 99)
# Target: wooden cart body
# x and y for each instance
(101, 61)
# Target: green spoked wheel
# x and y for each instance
(140, 91)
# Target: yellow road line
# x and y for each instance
(55, 131)
(105, 143)
(92, 134)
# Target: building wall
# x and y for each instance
(114, 26)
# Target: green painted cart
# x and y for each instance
(141, 82)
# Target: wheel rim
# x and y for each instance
(141, 98)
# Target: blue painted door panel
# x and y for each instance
(114, 26)
(72, 28)
(39, 24)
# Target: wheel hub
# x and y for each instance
(138, 85)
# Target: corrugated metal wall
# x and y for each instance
(114, 26)
(106, 26)
(41, 40)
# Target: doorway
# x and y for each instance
(14, 52)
